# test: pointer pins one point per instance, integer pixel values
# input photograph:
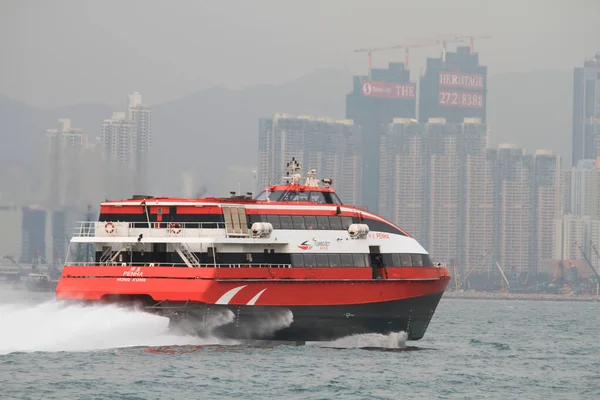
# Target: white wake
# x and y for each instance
(394, 340)
(54, 326)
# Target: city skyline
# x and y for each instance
(472, 232)
(436, 176)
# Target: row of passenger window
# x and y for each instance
(301, 222)
(310, 260)
(320, 222)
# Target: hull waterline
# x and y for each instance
(305, 323)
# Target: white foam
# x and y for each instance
(54, 326)
(394, 340)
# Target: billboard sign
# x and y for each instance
(460, 80)
(455, 98)
(388, 90)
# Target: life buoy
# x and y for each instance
(109, 227)
(175, 228)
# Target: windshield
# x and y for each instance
(300, 195)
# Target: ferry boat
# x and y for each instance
(294, 258)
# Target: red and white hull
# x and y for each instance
(324, 303)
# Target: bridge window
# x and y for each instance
(303, 196)
(317, 197)
(331, 198)
(290, 195)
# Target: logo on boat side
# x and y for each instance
(305, 245)
(309, 244)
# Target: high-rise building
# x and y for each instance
(479, 198)
(332, 147)
(578, 228)
(573, 233)
(586, 111)
(116, 140)
(435, 182)
(126, 139)
(583, 190)
(140, 116)
(10, 239)
(33, 240)
(403, 177)
(459, 219)
(453, 87)
(373, 103)
(444, 192)
(512, 207)
(66, 155)
(546, 205)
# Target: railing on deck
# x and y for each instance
(116, 228)
(180, 265)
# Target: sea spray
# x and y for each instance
(55, 326)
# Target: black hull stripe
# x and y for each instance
(310, 323)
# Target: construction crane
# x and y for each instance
(406, 48)
(472, 40)
(587, 259)
(595, 272)
(481, 261)
(444, 42)
(369, 52)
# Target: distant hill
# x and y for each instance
(216, 129)
(212, 135)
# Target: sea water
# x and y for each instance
(473, 349)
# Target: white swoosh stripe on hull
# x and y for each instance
(226, 298)
(255, 298)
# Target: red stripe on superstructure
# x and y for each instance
(186, 210)
(106, 209)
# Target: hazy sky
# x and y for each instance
(63, 52)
